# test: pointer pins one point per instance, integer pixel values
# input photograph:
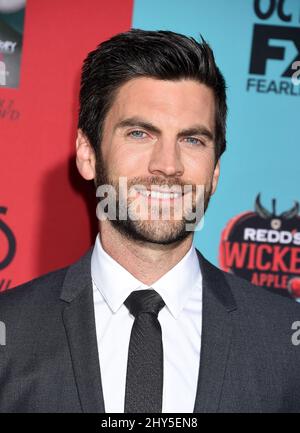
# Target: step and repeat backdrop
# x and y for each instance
(47, 213)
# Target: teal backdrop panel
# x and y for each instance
(263, 137)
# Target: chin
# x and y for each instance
(158, 232)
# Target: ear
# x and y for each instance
(216, 176)
(85, 157)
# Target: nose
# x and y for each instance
(166, 159)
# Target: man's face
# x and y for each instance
(159, 134)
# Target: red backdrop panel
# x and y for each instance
(50, 210)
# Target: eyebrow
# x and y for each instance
(141, 123)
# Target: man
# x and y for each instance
(143, 322)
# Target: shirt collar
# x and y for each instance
(115, 283)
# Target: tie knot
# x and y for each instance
(144, 301)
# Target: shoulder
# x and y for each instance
(46, 292)
(31, 309)
(273, 316)
(262, 299)
(39, 290)
(255, 300)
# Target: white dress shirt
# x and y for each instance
(180, 320)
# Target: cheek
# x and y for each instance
(199, 170)
(122, 161)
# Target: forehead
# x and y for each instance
(179, 102)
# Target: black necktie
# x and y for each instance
(144, 380)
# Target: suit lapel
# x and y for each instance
(79, 322)
(218, 303)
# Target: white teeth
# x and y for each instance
(144, 193)
(157, 194)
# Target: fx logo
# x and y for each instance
(263, 51)
(263, 34)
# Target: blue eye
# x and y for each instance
(194, 141)
(136, 134)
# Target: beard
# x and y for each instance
(158, 231)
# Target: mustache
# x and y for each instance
(149, 182)
(103, 177)
(157, 181)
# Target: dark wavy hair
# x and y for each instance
(163, 55)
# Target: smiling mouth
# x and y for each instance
(159, 194)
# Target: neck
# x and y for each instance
(146, 261)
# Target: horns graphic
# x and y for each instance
(291, 213)
(264, 213)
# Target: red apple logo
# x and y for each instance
(264, 247)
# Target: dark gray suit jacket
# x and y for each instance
(50, 361)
